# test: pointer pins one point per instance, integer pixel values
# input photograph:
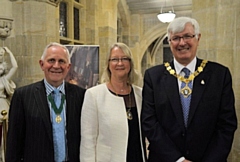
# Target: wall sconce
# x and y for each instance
(166, 17)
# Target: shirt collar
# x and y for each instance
(50, 88)
(191, 66)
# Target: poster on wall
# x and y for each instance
(84, 70)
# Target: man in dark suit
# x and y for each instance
(188, 117)
(35, 120)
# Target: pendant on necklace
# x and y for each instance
(186, 91)
(129, 114)
(58, 119)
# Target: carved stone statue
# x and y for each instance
(7, 86)
(5, 27)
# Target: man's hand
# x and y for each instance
(186, 160)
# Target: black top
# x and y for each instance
(134, 149)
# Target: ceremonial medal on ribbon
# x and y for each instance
(57, 111)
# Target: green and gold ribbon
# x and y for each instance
(55, 109)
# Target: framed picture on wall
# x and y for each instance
(84, 70)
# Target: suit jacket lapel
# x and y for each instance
(43, 107)
(69, 104)
(199, 86)
(171, 88)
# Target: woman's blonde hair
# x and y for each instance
(133, 75)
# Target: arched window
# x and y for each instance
(167, 53)
(70, 22)
(157, 53)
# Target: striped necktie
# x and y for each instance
(186, 100)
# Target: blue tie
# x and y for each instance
(185, 100)
(58, 131)
(57, 97)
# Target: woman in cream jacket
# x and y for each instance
(110, 122)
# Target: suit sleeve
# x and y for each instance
(160, 144)
(16, 129)
(89, 128)
(220, 145)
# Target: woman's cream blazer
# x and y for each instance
(104, 125)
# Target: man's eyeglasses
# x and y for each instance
(185, 38)
(123, 60)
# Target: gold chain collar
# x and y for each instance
(191, 77)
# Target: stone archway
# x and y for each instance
(151, 35)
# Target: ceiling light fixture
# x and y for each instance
(166, 17)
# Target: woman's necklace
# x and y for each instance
(186, 80)
(128, 112)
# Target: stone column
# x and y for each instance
(103, 24)
(36, 24)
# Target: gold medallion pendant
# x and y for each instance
(129, 114)
(186, 91)
(58, 119)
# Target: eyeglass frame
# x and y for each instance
(186, 37)
(123, 60)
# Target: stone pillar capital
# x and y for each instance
(56, 2)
